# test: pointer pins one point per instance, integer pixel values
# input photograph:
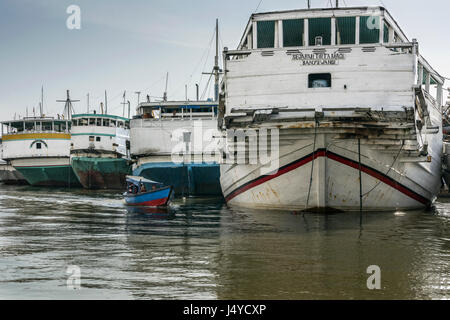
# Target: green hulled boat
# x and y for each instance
(50, 176)
(39, 149)
(99, 154)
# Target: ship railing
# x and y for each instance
(245, 115)
(242, 53)
(184, 116)
(35, 131)
(189, 115)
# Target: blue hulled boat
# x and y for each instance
(145, 192)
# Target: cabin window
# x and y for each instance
(91, 138)
(397, 38)
(266, 34)
(432, 80)
(92, 121)
(112, 123)
(75, 123)
(29, 126)
(386, 33)
(345, 30)
(319, 80)
(245, 45)
(319, 31)
(369, 30)
(99, 122)
(293, 33)
(106, 122)
(83, 122)
(18, 127)
(97, 139)
(120, 124)
(38, 145)
(47, 126)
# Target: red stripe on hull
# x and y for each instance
(153, 203)
(382, 178)
(322, 153)
(279, 173)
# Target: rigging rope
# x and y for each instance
(258, 6)
(390, 168)
(312, 164)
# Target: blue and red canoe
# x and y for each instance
(144, 192)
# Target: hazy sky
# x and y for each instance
(130, 45)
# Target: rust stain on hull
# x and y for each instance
(97, 180)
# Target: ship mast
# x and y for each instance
(216, 69)
(124, 103)
(68, 107)
(216, 64)
(41, 109)
(106, 103)
(165, 91)
(87, 103)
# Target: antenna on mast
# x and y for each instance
(309, 4)
(68, 108)
(337, 3)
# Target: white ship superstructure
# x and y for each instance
(182, 128)
(356, 107)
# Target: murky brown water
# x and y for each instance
(203, 250)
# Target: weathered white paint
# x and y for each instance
(156, 139)
(372, 78)
(372, 97)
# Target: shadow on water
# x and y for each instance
(202, 249)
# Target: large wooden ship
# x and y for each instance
(342, 105)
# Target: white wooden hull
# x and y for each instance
(335, 179)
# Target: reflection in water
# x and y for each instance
(200, 249)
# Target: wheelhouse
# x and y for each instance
(324, 36)
(36, 125)
(321, 27)
(177, 110)
(100, 120)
